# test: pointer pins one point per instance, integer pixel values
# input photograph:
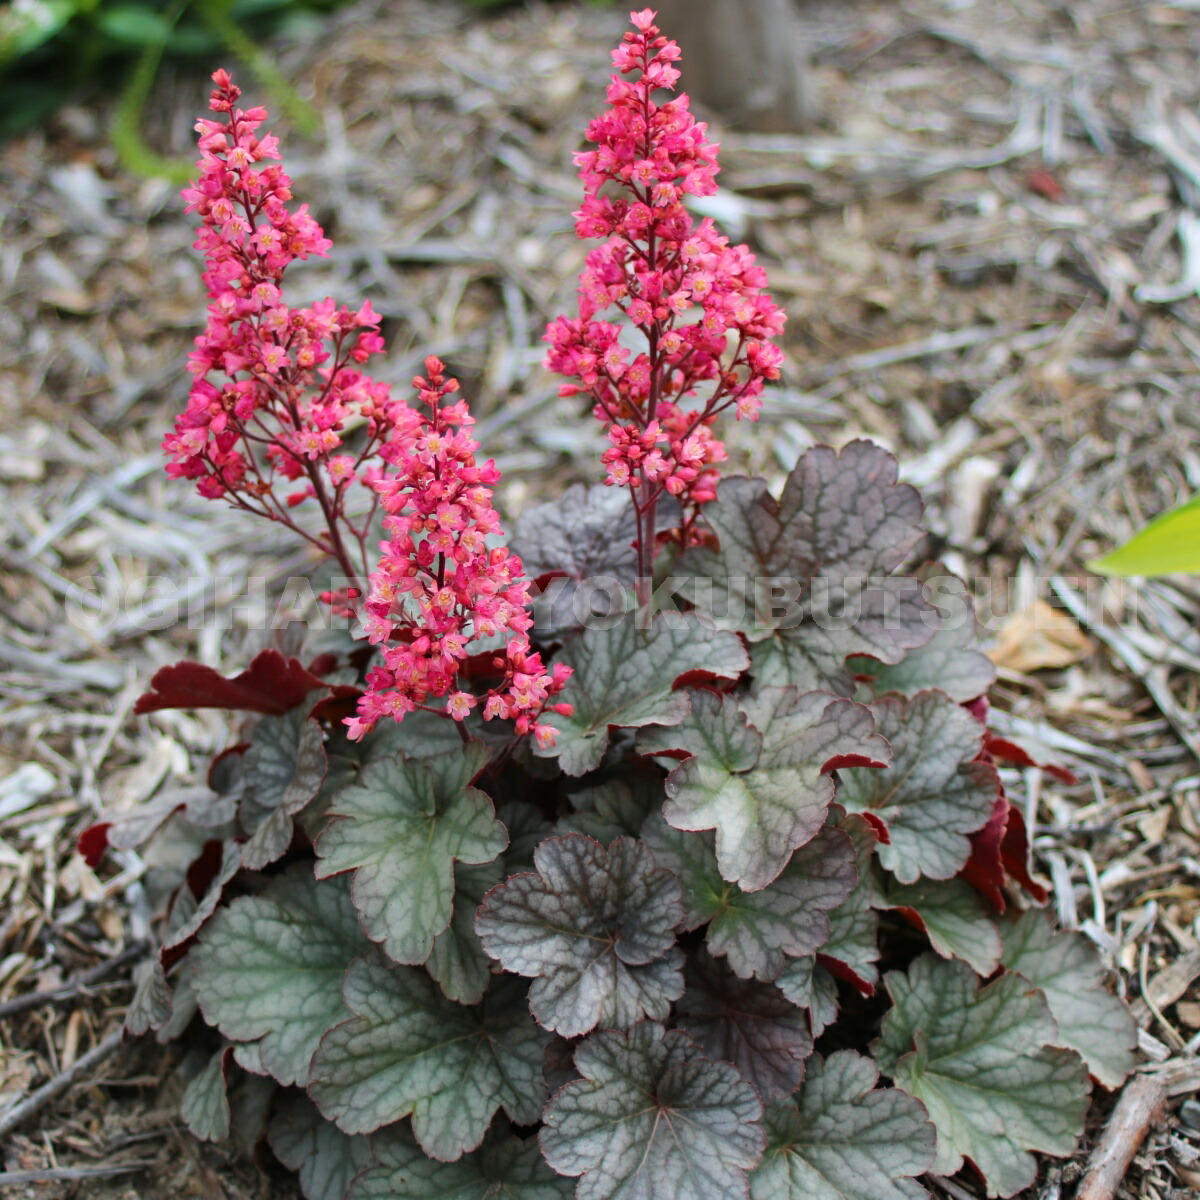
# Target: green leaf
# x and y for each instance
(270, 967)
(614, 808)
(594, 929)
(806, 983)
(409, 1050)
(980, 1062)
(188, 914)
(284, 767)
(150, 1008)
(24, 29)
(749, 1024)
(1169, 545)
(457, 960)
(1067, 968)
(759, 774)
(852, 948)
(951, 661)
(205, 1104)
(400, 829)
(845, 1139)
(934, 794)
(420, 735)
(853, 941)
(755, 930)
(625, 677)
(652, 1119)
(954, 917)
(134, 25)
(325, 1158)
(503, 1168)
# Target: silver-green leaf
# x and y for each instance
(1067, 968)
(284, 767)
(758, 932)
(624, 677)
(409, 1051)
(400, 829)
(953, 916)
(653, 1119)
(982, 1063)
(503, 1168)
(934, 794)
(759, 773)
(269, 968)
(594, 929)
(845, 1139)
(324, 1158)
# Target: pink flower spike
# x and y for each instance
(653, 267)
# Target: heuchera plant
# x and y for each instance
(704, 897)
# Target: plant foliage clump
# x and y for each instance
(618, 861)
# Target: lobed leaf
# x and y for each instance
(613, 808)
(625, 677)
(754, 931)
(587, 531)
(503, 1168)
(933, 794)
(324, 1158)
(270, 684)
(954, 917)
(284, 768)
(409, 1051)
(594, 929)
(652, 1119)
(845, 1139)
(758, 565)
(400, 829)
(587, 534)
(747, 1023)
(197, 899)
(981, 1063)
(1066, 967)
(852, 948)
(849, 508)
(759, 773)
(204, 1108)
(808, 579)
(457, 961)
(805, 982)
(950, 660)
(269, 969)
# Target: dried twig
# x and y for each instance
(1152, 675)
(48, 1092)
(1141, 1104)
(76, 987)
(69, 1174)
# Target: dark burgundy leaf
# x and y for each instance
(271, 684)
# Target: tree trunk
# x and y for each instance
(743, 59)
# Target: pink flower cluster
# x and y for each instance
(274, 386)
(695, 302)
(277, 390)
(439, 587)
